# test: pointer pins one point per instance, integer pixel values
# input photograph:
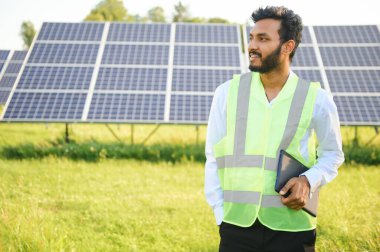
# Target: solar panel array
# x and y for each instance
(119, 72)
(10, 65)
(346, 60)
(167, 73)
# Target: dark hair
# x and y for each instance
(291, 23)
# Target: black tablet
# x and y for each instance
(289, 167)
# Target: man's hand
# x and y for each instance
(300, 189)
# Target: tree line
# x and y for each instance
(114, 10)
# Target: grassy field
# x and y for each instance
(62, 205)
(55, 205)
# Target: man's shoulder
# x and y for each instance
(323, 96)
(222, 88)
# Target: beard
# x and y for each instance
(269, 63)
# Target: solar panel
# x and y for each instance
(59, 78)
(56, 77)
(362, 81)
(127, 107)
(306, 38)
(347, 34)
(351, 56)
(122, 78)
(19, 56)
(47, 106)
(358, 110)
(305, 56)
(207, 56)
(64, 53)
(87, 31)
(167, 73)
(13, 68)
(8, 76)
(310, 75)
(200, 80)
(7, 82)
(4, 55)
(122, 32)
(190, 108)
(136, 54)
(195, 33)
(4, 94)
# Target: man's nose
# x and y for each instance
(252, 45)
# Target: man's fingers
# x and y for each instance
(288, 185)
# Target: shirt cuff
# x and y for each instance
(314, 178)
(218, 213)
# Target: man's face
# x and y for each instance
(264, 46)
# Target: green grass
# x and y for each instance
(125, 205)
(54, 205)
(57, 204)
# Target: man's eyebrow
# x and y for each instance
(263, 34)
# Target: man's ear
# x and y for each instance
(288, 47)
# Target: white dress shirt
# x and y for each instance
(325, 123)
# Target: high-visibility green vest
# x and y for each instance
(247, 156)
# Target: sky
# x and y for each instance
(313, 12)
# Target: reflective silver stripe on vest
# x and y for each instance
(271, 164)
(239, 159)
(242, 113)
(295, 113)
(251, 197)
(243, 197)
(271, 201)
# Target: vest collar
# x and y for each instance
(286, 92)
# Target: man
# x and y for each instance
(254, 116)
